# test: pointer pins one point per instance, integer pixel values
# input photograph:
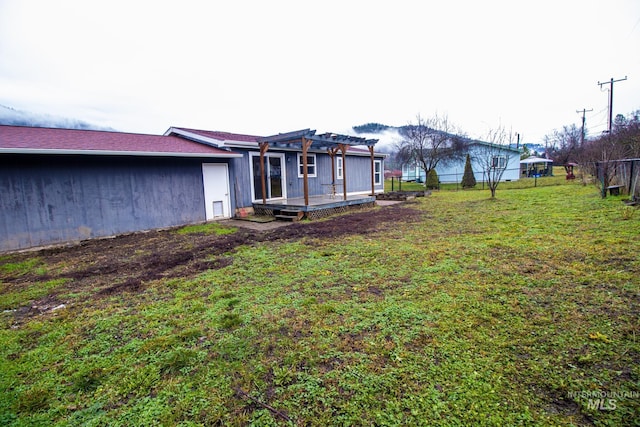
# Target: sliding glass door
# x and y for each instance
(274, 176)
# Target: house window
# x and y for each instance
(499, 162)
(339, 173)
(311, 165)
(377, 172)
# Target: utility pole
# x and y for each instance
(611, 82)
(584, 111)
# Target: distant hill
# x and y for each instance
(538, 149)
(388, 136)
(375, 130)
(14, 117)
(379, 128)
(371, 128)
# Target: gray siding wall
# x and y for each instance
(56, 199)
(240, 181)
(357, 172)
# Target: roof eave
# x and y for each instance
(497, 146)
(117, 153)
(239, 144)
(218, 143)
(194, 137)
(363, 154)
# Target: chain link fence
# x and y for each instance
(527, 179)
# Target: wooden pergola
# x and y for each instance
(307, 139)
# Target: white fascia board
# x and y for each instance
(239, 144)
(194, 137)
(117, 153)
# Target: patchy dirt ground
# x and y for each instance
(125, 263)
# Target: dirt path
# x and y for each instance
(125, 263)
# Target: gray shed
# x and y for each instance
(61, 185)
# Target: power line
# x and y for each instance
(600, 124)
(604, 110)
(584, 112)
(599, 118)
(611, 82)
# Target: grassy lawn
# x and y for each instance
(514, 311)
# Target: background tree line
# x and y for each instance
(570, 145)
(429, 142)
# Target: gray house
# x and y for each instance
(270, 175)
(61, 185)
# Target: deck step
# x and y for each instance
(286, 218)
(289, 215)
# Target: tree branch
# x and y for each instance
(273, 410)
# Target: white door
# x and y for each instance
(215, 177)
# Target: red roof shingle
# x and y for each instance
(25, 139)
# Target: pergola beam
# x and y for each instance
(326, 140)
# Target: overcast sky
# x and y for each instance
(264, 67)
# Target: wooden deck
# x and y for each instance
(318, 206)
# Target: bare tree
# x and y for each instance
(564, 145)
(627, 132)
(402, 154)
(432, 141)
(598, 154)
(597, 158)
(493, 156)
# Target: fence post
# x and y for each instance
(633, 162)
(600, 172)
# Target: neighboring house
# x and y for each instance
(507, 158)
(61, 185)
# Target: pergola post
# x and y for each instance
(306, 143)
(343, 148)
(332, 154)
(373, 184)
(264, 146)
